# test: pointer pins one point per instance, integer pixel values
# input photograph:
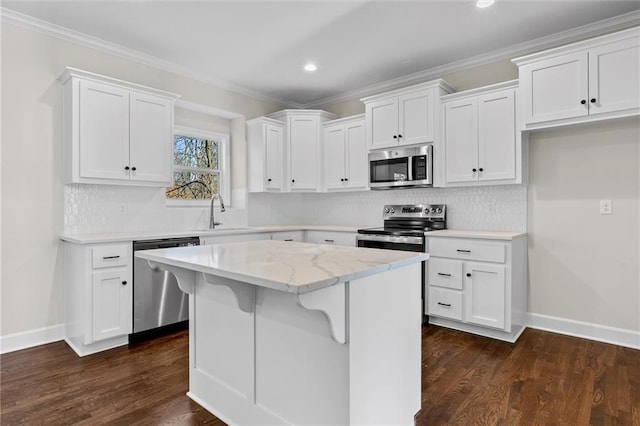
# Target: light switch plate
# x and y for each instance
(606, 207)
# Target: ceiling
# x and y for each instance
(260, 47)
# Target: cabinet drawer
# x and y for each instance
(110, 256)
(445, 303)
(331, 237)
(445, 273)
(459, 248)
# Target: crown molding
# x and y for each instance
(547, 42)
(28, 22)
(595, 29)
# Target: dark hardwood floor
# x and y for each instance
(544, 379)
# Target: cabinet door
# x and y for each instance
(273, 154)
(334, 157)
(614, 77)
(485, 294)
(112, 304)
(356, 150)
(151, 145)
(461, 140)
(104, 131)
(555, 88)
(497, 136)
(415, 112)
(382, 123)
(303, 139)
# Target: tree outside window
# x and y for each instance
(198, 165)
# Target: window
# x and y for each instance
(200, 167)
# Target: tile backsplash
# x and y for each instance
(489, 208)
(92, 209)
(97, 208)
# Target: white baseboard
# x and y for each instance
(31, 338)
(585, 330)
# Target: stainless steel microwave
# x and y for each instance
(401, 168)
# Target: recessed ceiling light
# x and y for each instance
(484, 3)
(310, 67)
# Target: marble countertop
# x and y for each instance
(487, 235)
(283, 265)
(114, 237)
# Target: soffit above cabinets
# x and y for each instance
(360, 47)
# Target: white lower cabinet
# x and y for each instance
(331, 237)
(206, 240)
(111, 303)
(288, 236)
(98, 296)
(478, 285)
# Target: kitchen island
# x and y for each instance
(295, 333)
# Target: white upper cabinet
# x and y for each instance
(151, 120)
(482, 146)
(302, 148)
(407, 116)
(591, 80)
(103, 130)
(265, 138)
(304, 142)
(345, 154)
(116, 132)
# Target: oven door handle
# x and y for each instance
(390, 239)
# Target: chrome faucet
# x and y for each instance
(212, 221)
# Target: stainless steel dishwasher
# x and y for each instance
(158, 304)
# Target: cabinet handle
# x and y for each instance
(268, 180)
(126, 168)
(342, 180)
(346, 179)
(110, 257)
(463, 251)
(480, 169)
(473, 170)
(583, 101)
(133, 169)
(399, 136)
(593, 100)
(293, 181)
(444, 275)
(328, 241)
(448, 305)
(395, 136)
(469, 274)
(124, 283)
(288, 239)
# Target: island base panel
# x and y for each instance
(278, 363)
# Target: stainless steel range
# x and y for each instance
(404, 229)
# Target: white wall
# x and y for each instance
(585, 266)
(32, 190)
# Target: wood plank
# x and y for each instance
(544, 378)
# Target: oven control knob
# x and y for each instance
(386, 209)
(439, 210)
(426, 211)
(393, 210)
(433, 209)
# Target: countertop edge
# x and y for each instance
(282, 286)
(485, 235)
(134, 236)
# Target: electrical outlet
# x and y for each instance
(122, 208)
(606, 207)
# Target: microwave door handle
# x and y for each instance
(410, 168)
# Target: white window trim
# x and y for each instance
(224, 162)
